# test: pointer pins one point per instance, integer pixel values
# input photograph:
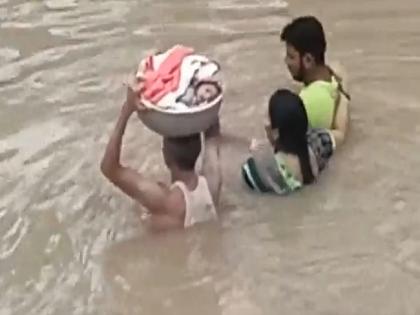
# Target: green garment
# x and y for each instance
(319, 99)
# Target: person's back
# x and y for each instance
(198, 203)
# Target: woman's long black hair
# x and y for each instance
(288, 116)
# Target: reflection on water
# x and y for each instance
(70, 243)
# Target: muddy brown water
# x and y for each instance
(70, 242)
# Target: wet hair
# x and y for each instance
(288, 115)
(182, 151)
(306, 35)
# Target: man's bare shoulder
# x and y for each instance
(175, 202)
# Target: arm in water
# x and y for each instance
(211, 161)
(341, 119)
(341, 115)
(340, 124)
(149, 193)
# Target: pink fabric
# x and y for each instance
(165, 79)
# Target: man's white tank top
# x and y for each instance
(199, 206)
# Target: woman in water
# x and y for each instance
(295, 155)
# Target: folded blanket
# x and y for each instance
(174, 79)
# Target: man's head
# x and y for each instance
(181, 153)
(305, 45)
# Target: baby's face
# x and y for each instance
(206, 92)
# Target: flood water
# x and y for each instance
(72, 244)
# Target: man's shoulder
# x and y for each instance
(171, 202)
(316, 91)
(175, 201)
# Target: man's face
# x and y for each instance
(294, 63)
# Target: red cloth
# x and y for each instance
(158, 82)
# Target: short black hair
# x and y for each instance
(183, 151)
(306, 35)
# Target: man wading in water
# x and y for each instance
(191, 198)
